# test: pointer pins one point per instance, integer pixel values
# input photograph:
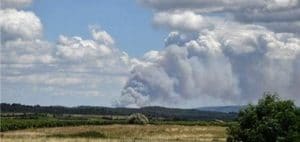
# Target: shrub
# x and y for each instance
(271, 120)
(137, 118)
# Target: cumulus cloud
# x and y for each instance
(288, 27)
(26, 52)
(14, 3)
(102, 36)
(72, 66)
(19, 25)
(219, 52)
(217, 67)
(75, 48)
(186, 20)
(259, 11)
(87, 53)
(220, 5)
(21, 43)
(72, 61)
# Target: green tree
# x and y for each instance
(271, 120)
(138, 118)
(297, 137)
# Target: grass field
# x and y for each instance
(118, 133)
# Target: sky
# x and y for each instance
(126, 21)
(135, 53)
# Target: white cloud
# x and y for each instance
(288, 27)
(14, 3)
(73, 66)
(152, 56)
(21, 33)
(91, 54)
(221, 52)
(220, 5)
(184, 20)
(44, 79)
(75, 48)
(26, 52)
(19, 25)
(260, 12)
(102, 37)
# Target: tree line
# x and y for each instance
(151, 112)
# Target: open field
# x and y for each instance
(8, 124)
(118, 133)
(20, 123)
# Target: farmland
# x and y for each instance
(27, 123)
(117, 132)
(20, 121)
(16, 116)
(38, 124)
(95, 128)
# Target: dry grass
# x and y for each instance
(119, 133)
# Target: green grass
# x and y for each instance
(87, 134)
(44, 121)
(192, 123)
(16, 123)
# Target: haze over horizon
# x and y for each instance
(135, 53)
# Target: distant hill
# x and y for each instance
(152, 112)
(225, 109)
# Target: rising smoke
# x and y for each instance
(216, 67)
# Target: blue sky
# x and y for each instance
(126, 21)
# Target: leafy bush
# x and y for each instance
(271, 120)
(138, 118)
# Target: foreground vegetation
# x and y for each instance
(16, 117)
(44, 122)
(271, 120)
(117, 132)
(16, 123)
(47, 127)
